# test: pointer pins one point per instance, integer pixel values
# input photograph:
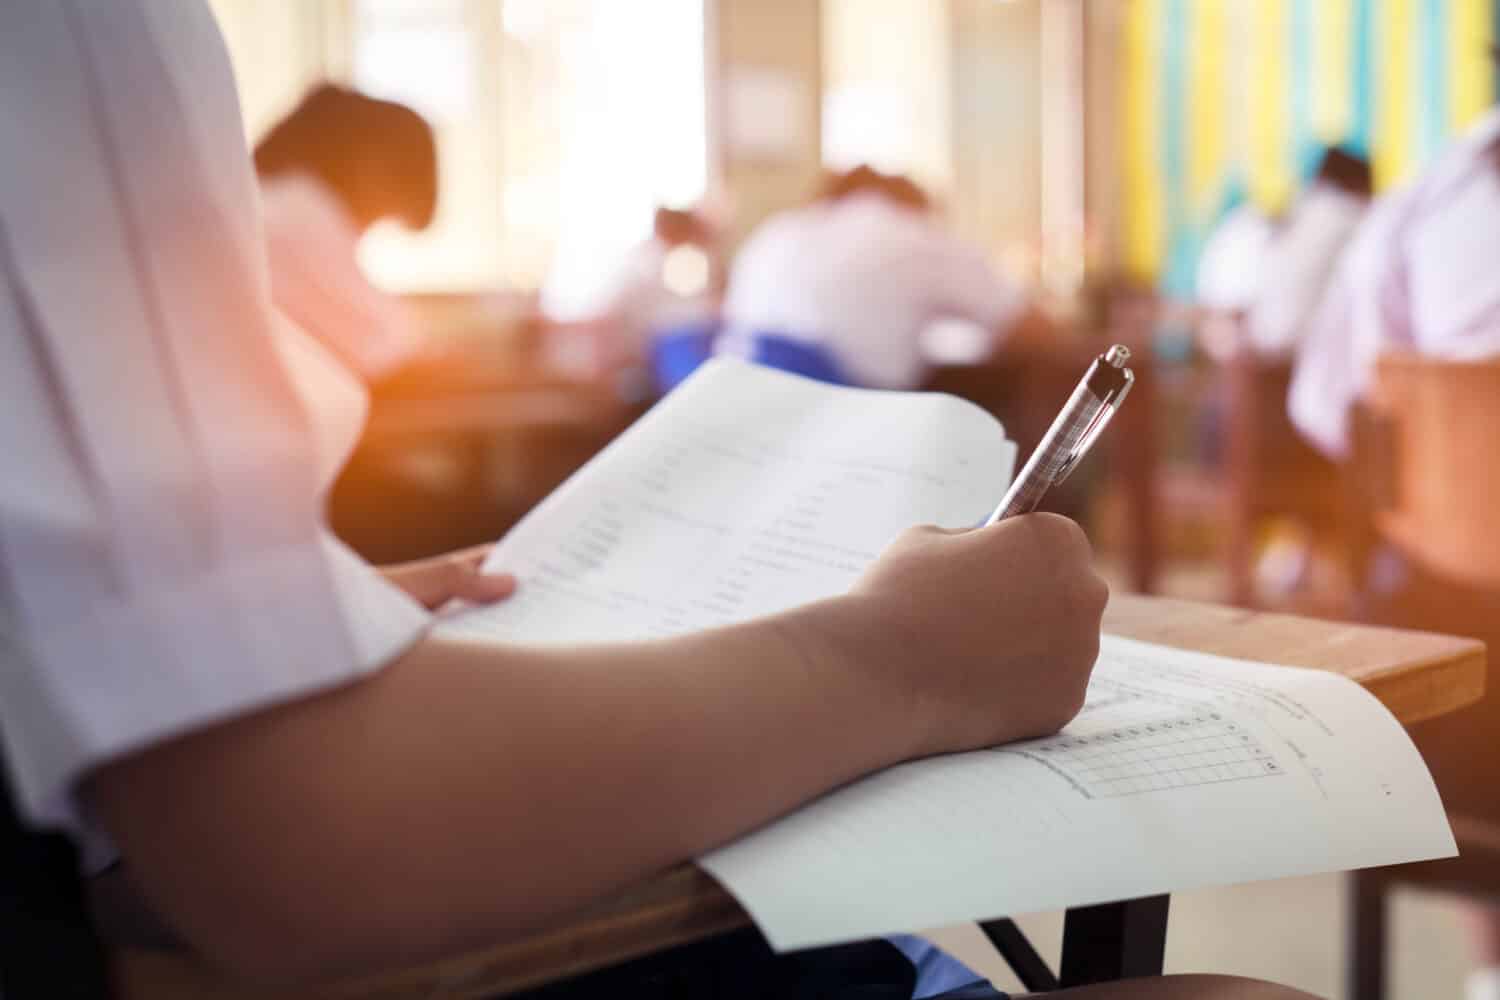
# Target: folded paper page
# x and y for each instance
(744, 492)
(1183, 770)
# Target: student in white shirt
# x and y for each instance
(666, 283)
(1419, 275)
(1272, 273)
(334, 167)
(1303, 251)
(299, 778)
(861, 273)
(1231, 268)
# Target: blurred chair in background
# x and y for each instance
(337, 165)
(1424, 445)
(845, 287)
(1291, 520)
(1292, 538)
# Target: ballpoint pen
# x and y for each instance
(1084, 416)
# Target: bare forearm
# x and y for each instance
(467, 792)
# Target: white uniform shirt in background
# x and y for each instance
(1232, 265)
(167, 439)
(863, 278)
(317, 282)
(1422, 274)
(1299, 264)
(643, 302)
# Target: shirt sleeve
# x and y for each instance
(163, 563)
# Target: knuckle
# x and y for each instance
(917, 534)
(1065, 537)
(1076, 538)
(1098, 593)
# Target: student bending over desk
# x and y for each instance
(857, 278)
(195, 676)
(329, 171)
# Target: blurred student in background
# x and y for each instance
(667, 282)
(337, 165)
(1268, 275)
(844, 288)
(1420, 274)
(1232, 266)
(1303, 251)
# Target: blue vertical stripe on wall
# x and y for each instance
(1435, 93)
(1304, 145)
(1432, 129)
(1182, 235)
(1362, 115)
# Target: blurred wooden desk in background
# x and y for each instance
(491, 402)
(1416, 675)
(457, 448)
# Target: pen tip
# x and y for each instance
(1117, 356)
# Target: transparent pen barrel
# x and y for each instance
(1051, 456)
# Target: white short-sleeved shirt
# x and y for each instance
(317, 282)
(1299, 266)
(1232, 265)
(864, 278)
(641, 300)
(166, 439)
(1419, 275)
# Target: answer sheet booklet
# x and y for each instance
(747, 491)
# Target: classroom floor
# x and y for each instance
(1290, 931)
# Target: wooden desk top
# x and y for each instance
(1417, 675)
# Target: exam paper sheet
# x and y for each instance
(747, 491)
(1183, 770)
(744, 492)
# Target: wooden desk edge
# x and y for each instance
(1425, 675)
(1417, 675)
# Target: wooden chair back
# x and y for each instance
(1273, 472)
(1434, 443)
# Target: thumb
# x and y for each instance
(469, 584)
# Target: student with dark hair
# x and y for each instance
(337, 165)
(846, 288)
(1304, 251)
